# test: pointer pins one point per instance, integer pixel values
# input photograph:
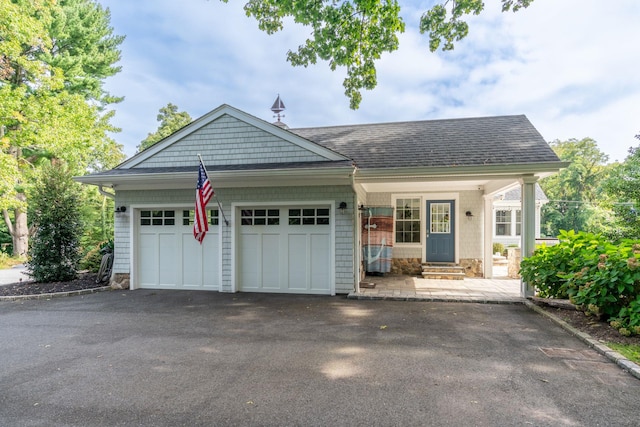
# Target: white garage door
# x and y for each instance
(285, 249)
(169, 257)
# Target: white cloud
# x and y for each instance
(571, 66)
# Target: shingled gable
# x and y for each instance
(227, 136)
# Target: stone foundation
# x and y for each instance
(120, 281)
(407, 266)
(513, 262)
(472, 267)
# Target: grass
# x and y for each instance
(7, 261)
(630, 351)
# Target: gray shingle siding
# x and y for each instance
(229, 141)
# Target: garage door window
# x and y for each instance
(157, 217)
(260, 217)
(189, 215)
(309, 216)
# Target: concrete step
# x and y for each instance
(443, 271)
(442, 275)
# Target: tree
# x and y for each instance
(170, 121)
(54, 252)
(575, 192)
(52, 105)
(355, 33)
(624, 186)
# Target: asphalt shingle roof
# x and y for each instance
(497, 140)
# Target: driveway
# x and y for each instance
(174, 358)
(13, 275)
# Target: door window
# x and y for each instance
(440, 218)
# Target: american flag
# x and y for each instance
(204, 193)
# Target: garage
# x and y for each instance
(169, 257)
(285, 249)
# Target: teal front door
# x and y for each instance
(440, 231)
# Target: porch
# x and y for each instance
(412, 288)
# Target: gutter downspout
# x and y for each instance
(106, 193)
(356, 227)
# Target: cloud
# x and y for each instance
(570, 66)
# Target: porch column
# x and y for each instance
(487, 237)
(528, 245)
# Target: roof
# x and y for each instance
(477, 141)
(516, 194)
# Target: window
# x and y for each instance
(157, 217)
(518, 222)
(440, 218)
(309, 216)
(503, 223)
(188, 217)
(407, 221)
(260, 217)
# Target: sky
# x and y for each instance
(571, 66)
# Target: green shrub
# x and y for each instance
(54, 248)
(92, 259)
(599, 276)
(546, 268)
(498, 248)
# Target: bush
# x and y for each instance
(600, 277)
(92, 259)
(54, 249)
(498, 248)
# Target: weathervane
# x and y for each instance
(278, 107)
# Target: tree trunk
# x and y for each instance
(19, 232)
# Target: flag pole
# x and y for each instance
(214, 193)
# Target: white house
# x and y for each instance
(300, 202)
(507, 216)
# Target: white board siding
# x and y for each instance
(229, 141)
(343, 241)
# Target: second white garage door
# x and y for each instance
(285, 249)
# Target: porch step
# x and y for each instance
(499, 260)
(443, 271)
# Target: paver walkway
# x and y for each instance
(399, 287)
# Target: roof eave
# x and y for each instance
(444, 172)
(223, 179)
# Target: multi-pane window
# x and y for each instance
(407, 220)
(309, 216)
(157, 217)
(260, 216)
(188, 216)
(518, 222)
(440, 219)
(503, 223)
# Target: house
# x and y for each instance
(507, 215)
(298, 208)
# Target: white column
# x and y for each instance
(487, 238)
(528, 224)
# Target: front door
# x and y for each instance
(440, 231)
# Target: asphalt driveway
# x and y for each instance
(179, 358)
